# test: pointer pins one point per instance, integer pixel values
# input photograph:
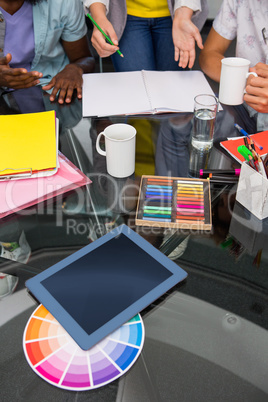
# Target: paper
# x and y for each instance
(140, 92)
(231, 146)
(19, 194)
(28, 143)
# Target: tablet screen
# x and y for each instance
(106, 281)
(97, 289)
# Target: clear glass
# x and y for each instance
(205, 111)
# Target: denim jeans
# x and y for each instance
(146, 45)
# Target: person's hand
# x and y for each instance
(256, 94)
(185, 34)
(16, 78)
(65, 82)
(98, 41)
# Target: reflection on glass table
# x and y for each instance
(207, 338)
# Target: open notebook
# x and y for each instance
(141, 92)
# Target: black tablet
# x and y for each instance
(100, 287)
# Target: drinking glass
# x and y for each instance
(205, 110)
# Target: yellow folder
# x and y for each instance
(28, 143)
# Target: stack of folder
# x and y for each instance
(29, 151)
(29, 145)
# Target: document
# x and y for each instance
(142, 92)
(28, 144)
(16, 195)
(232, 144)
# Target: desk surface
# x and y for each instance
(207, 338)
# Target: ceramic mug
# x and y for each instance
(120, 147)
(234, 74)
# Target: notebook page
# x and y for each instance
(175, 90)
(108, 94)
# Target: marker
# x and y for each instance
(103, 33)
(242, 131)
(208, 172)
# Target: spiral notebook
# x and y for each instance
(142, 92)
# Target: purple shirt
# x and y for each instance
(19, 38)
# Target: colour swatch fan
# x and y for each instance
(55, 356)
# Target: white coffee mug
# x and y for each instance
(120, 146)
(234, 74)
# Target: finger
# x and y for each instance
(79, 92)
(103, 48)
(49, 85)
(69, 94)
(6, 59)
(184, 58)
(255, 83)
(176, 53)
(62, 95)
(262, 72)
(260, 106)
(191, 58)
(54, 93)
(198, 39)
(11, 72)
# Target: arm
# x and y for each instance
(257, 88)
(212, 54)
(16, 78)
(104, 49)
(70, 78)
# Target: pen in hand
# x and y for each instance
(103, 33)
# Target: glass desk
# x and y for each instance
(206, 339)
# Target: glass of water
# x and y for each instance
(205, 110)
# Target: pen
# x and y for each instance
(207, 172)
(246, 153)
(103, 33)
(219, 180)
(242, 131)
(223, 177)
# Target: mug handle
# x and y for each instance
(251, 73)
(248, 74)
(99, 150)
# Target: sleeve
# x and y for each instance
(225, 22)
(194, 5)
(87, 3)
(74, 21)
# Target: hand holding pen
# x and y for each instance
(102, 35)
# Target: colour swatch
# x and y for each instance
(55, 356)
(174, 202)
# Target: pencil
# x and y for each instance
(103, 33)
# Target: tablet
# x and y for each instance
(100, 287)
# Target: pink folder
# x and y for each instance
(19, 194)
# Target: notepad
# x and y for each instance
(232, 144)
(142, 92)
(28, 143)
(174, 202)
